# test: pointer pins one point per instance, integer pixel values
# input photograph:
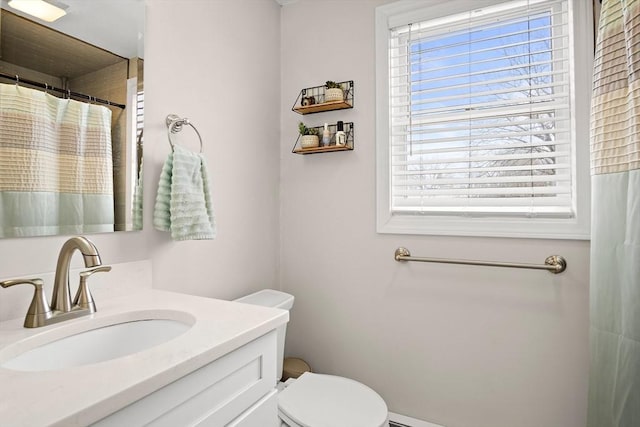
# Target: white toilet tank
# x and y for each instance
(276, 299)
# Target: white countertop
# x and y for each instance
(81, 395)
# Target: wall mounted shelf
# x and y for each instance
(317, 150)
(313, 100)
(348, 130)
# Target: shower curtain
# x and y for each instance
(56, 174)
(614, 381)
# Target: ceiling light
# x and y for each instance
(40, 9)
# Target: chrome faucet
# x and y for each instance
(40, 313)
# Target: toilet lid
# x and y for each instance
(316, 400)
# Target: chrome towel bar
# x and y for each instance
(554, 264)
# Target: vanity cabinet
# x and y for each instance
(237, 390)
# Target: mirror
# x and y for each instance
(71, 119)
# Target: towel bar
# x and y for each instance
(554, 264)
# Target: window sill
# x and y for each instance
(530, 228)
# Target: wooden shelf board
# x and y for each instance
(325, 106)
(322, 149)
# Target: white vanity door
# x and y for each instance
(260, 414)
(215, 395)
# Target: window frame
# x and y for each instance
(581, 27)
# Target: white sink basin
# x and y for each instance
(66, 347)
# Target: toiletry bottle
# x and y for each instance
(326, 136)
(341, 137)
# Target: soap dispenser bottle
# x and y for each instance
(326, 136)
(341, 137)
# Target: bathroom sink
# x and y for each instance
(123, 335)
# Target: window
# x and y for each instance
(480, 130)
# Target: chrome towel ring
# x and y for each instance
(174, 125)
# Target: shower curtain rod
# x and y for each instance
(16, 78)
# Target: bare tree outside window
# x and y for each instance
(483, 118)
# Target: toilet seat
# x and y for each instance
(317, 400)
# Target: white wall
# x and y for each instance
(457, 345)
(218, 63)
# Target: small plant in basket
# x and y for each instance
(309, 136)
(333, 91)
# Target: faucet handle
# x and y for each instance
(90, 271)
(39, 311)
(83, 297)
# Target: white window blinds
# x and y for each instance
(480, 113)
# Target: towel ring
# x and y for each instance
(174, 125)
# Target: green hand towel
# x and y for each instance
(183, 204)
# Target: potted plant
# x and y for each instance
(333, 92)
(309, 136)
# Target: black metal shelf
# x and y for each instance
(332, 147)
(312, 99)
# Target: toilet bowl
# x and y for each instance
(315, 400)
(318, 400)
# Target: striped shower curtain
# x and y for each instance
(614, 381)
(56, 174)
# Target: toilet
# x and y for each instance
(319, 400)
